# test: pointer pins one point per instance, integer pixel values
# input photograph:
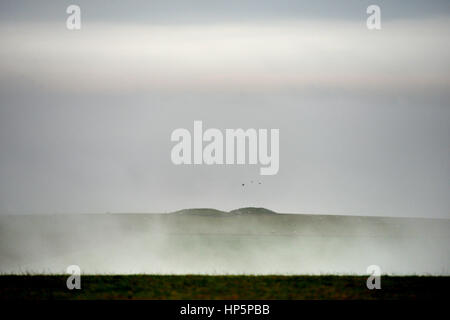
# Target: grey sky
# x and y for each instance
(201, 11)
(364, 116)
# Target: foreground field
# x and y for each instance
(222, 287)
(251, 241)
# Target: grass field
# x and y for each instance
(222, 287)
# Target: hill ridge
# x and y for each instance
(212, 211)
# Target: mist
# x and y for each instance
(207, 242)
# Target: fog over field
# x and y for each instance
(206, 241)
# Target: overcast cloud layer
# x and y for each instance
(364, 116)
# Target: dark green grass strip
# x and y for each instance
(222, 287)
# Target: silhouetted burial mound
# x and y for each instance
(252, 210)
(215, 212)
